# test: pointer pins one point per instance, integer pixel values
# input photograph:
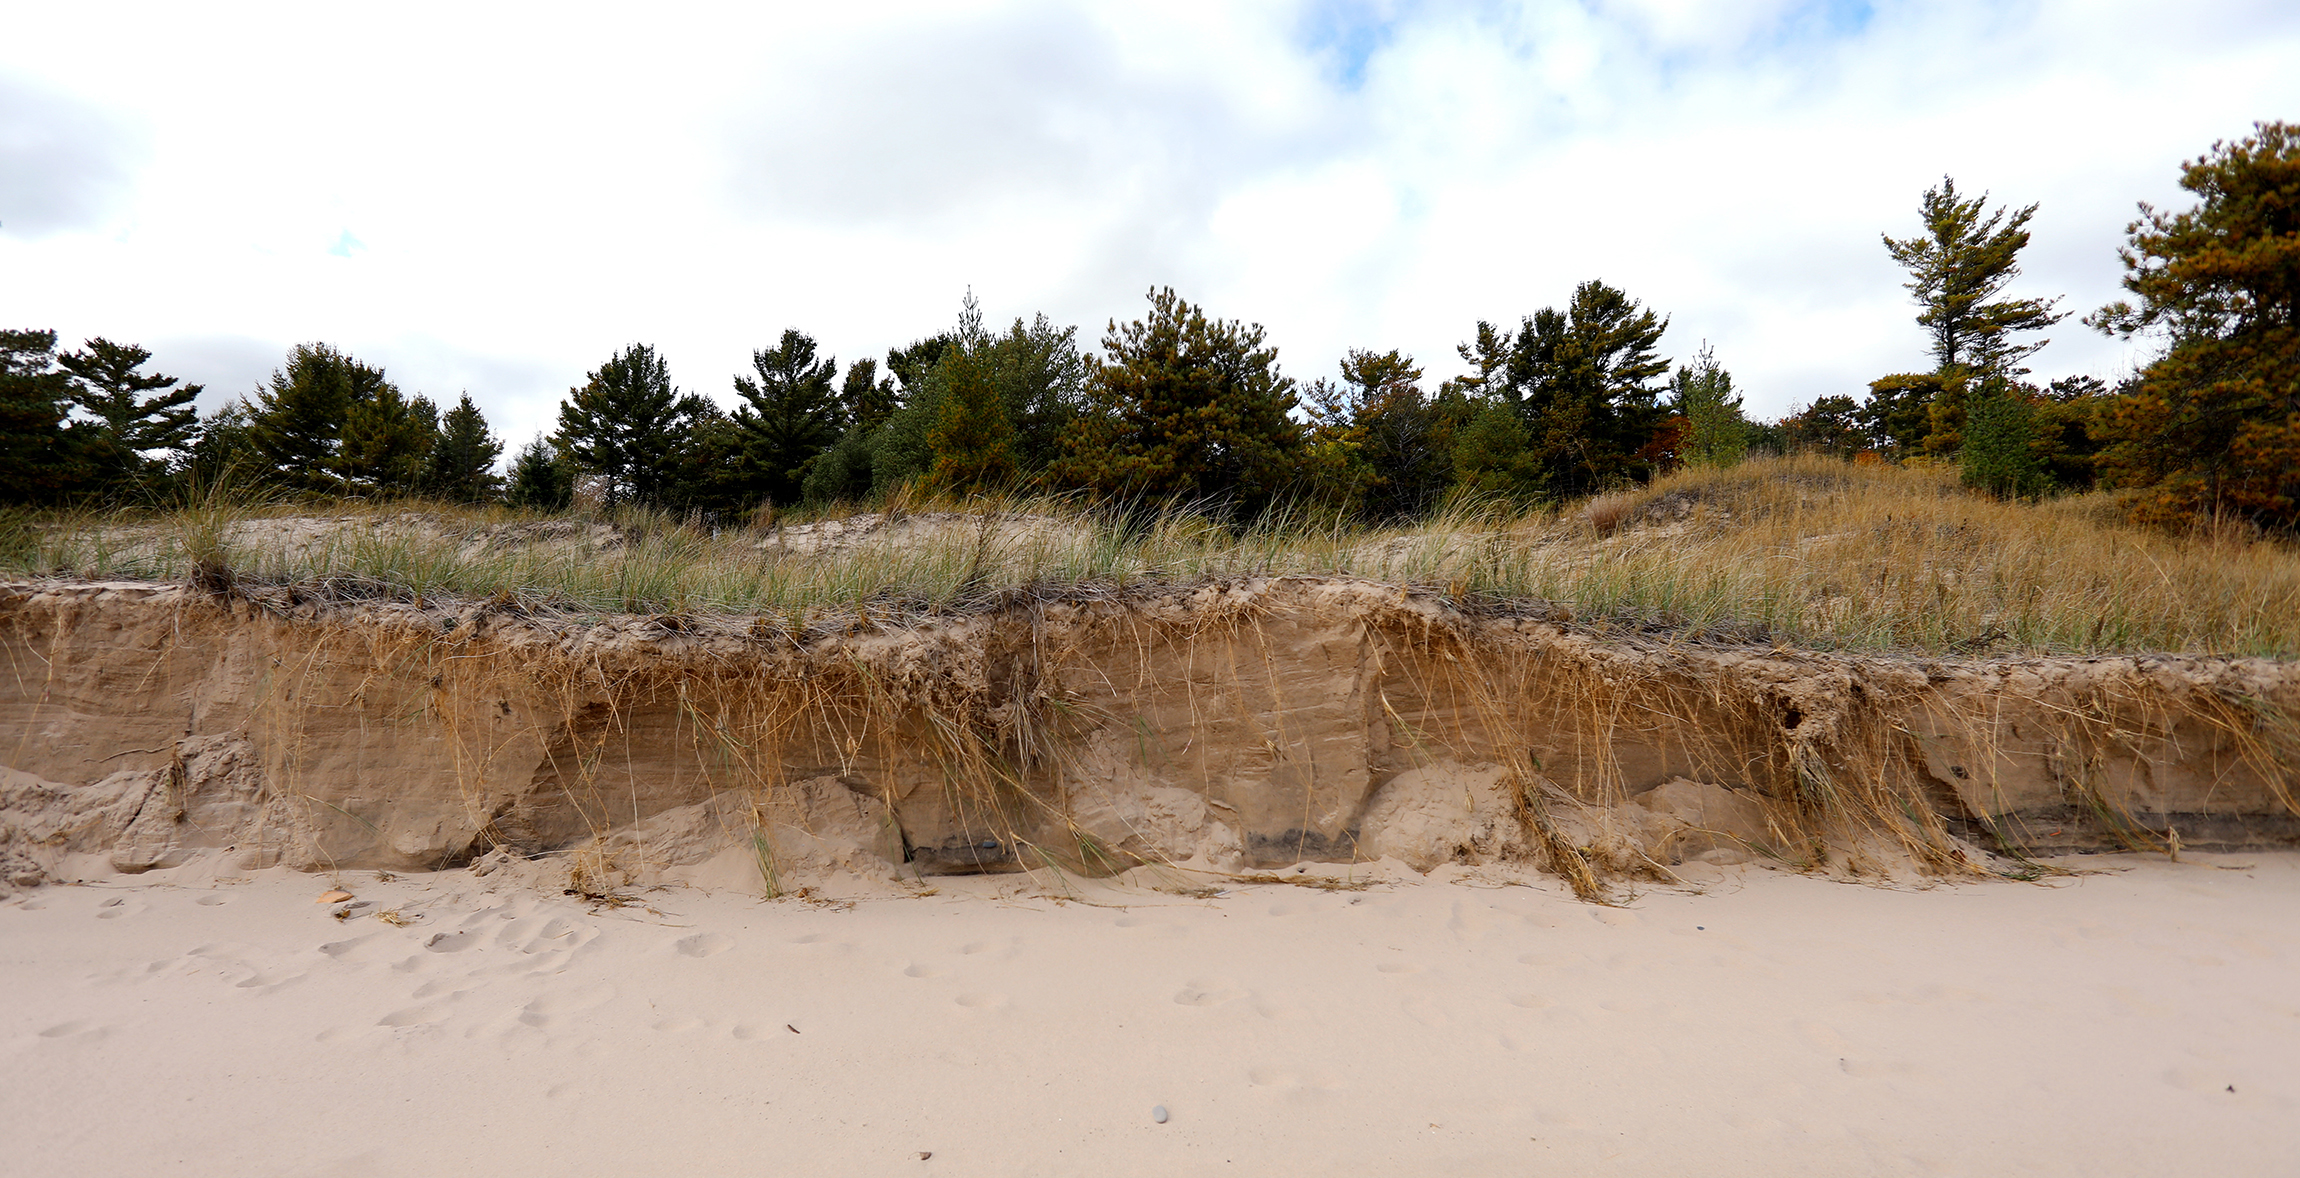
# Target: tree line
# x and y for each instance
(1180, 405)
(2208, 427)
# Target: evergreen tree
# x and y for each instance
(2214, 422)
(1897, 417)
(2000, 441)
(462, 464)
(1957, 267)
(790, 414)
(624, 425)
(1582, 379)
(1830, 425)
(386, 443)
(1188, 407)
(1041, 380)
(867, 398)
(972, 439)
(541, 478)
(109, 388)
(912, 365)
(223, 452)
(296, 422)
(1493, 456)
(707, 472)
(43, 457)
(1716, 434)
(1405, 437)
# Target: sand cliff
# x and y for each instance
(1227, 725)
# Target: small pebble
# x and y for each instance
(1158, 1114)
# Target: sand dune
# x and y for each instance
(2140, 1020)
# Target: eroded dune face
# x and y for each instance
(1230, 725)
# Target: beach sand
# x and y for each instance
(2141, 1018)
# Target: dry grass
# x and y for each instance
(1809, 552)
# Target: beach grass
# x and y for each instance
(1803, 551)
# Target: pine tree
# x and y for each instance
(1493, 456)
(1186, 407)
(386, 443)
(1957, 267)
(1041, 379)
(790, 414)
(43, 457)
(541, 479)
(1898, 413)
(1406, 437)
(296, 422)
(1582, 379)
(108, 387)
(1716, 434)
(972, 438)
(866, 397)
(1830, 425)
(2214, 423)
(624, 425)
(1999, 452)
(462, 464)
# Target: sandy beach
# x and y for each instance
(2140, 1018)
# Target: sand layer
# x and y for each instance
(2138, 1021)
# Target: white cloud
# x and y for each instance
(493, 200)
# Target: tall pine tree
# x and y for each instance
(296, 420)
(624, 425)
(462, 463)
(1957, 269)
(790, 414)
(1188, 407)
(1582, 380)
(139, 433)
(43, 457)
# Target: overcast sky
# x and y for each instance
(494, 200)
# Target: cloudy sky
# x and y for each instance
(494, 199)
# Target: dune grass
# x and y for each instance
(1803, 551)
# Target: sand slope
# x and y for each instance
(2142, 1021)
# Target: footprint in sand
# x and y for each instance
(449, 942)
(344, 948)
(920, 969)
(748, 1032)
(702, 945)
(210, 900)
(75, 1027)
(1528, 1001)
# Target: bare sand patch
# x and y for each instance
(1474, 1022)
